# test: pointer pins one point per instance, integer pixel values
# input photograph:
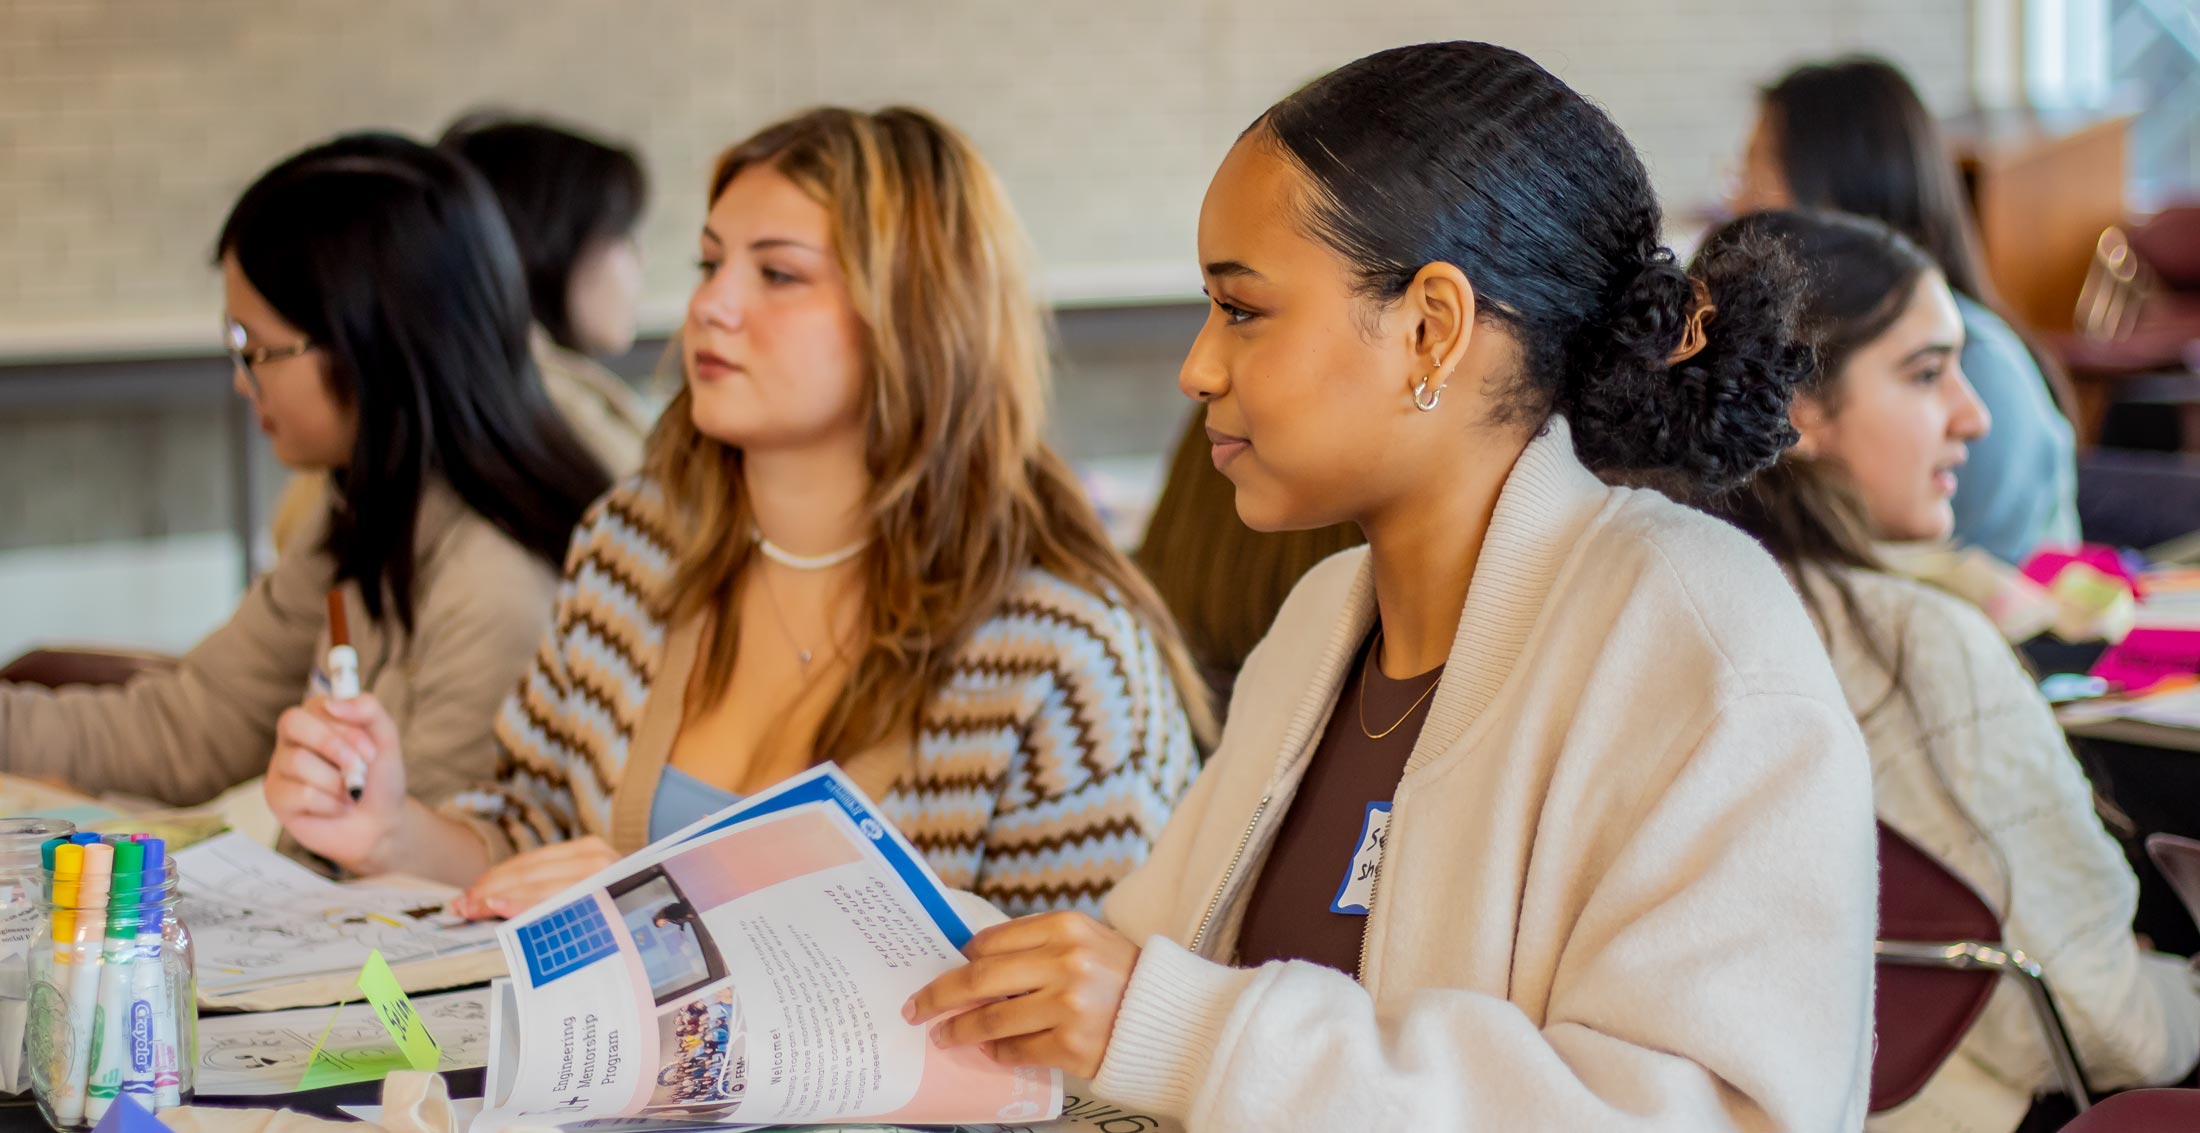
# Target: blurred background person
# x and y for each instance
(1852, 136)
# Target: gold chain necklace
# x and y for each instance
(786, 630)
(1373, 652)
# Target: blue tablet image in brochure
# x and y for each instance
(566, 941)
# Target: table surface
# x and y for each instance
(22, 1113)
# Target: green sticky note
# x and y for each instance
(342, 1067)
(397, 1014)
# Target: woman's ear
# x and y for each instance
(1811, 420)
(1439, 305)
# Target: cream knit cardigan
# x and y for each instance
(1971, 766)
(1630, 874)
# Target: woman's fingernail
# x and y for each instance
(939, 1036)
(909, 1009)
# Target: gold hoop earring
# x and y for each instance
(1432, 396)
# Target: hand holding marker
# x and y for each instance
(343, 680)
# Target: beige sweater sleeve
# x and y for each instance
(2071, 893)
(189, 734)
(474, 632)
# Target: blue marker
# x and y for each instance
(159, 1084)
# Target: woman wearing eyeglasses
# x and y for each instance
(377, 320)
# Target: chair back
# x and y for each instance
(2141, 1111)
(2169, 243)
(2179, 860)
(56, 668)
(1922, 1014)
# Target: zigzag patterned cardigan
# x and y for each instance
(1044, 767)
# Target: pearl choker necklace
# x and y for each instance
(787, 558)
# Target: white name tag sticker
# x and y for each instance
(1359, 881)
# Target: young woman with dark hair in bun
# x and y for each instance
(1967, 760)
(1545, 810)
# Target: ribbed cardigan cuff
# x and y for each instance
(1169, 1028)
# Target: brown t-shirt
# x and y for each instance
(1293, 913)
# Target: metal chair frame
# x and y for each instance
(1971, 956)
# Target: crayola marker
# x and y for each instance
(68, 1082)
(68, 872)
(110, 1033)
(157, 1082)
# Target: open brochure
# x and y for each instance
(751, 968)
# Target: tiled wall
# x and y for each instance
(126, 126)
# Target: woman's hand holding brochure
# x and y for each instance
(1040, 991)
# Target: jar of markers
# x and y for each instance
(114, 1010)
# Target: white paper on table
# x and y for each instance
(259, 919)
(464, 1110)
(2180, 709)
(1081, 1112)
(267, 1052)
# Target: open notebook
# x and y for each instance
(271, 933)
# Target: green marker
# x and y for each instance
(109, 1032)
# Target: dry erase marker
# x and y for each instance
(155, 988)
(150, 1077)
(343, 680)
(83, 988)
(110, 1031)
(68, 871)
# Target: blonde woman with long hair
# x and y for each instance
(849, 543)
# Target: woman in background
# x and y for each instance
(850, 544)
(369, 358)
(572, 204)
(1967, 760)
(1852, 136)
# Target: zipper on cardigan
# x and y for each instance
(1216, 903)
(1374, 890)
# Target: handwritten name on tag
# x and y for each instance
(1358, 889)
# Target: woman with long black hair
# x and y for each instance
(377, 320)
(573, 203)
(1851, 135)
